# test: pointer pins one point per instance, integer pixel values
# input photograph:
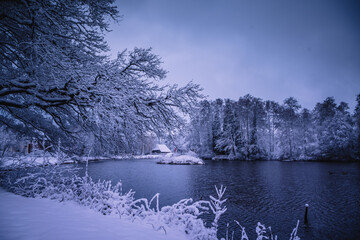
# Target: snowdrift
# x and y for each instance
(180, 160)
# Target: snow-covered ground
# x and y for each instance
(171, 158)
(32, 218)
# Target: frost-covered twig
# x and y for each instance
(216, 205)
(243, 233)
(293, 235)
(265, 233)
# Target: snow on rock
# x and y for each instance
(32, 218)
(171, 158)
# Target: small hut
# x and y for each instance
(161, 148)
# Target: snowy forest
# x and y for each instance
(253, 129)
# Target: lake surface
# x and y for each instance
(271, 192)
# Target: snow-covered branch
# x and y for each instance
(53, 65)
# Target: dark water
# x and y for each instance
(273, 193)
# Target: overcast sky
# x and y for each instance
(307, 49)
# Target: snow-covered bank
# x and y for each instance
(33, 218)
(116, 157)
(38, 160)
(24, 161)
(180, 160)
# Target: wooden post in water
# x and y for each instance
(306, 213)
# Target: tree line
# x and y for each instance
(254, 129)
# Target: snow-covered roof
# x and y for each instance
(162, 148)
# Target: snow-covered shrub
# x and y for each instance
(183, 215)
(63, 183)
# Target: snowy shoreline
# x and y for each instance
(38, 218)
(24, 161)
(37, 160)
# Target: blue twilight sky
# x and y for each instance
(272, 49)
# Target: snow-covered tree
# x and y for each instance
(342, 127)
(251, 120)
(255, 129)
(217, 119)
(307, 135)
(334, 129)
(206, 148)
(230, 133)
(194, 133)
(49, 51)
(56, 81)
(289, 126)
(272, 110)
